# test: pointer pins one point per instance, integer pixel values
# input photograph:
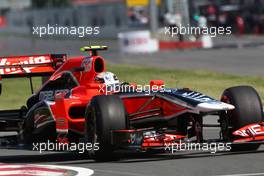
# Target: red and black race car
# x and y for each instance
(81, 102)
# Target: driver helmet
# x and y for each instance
(107, 78)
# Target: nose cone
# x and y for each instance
(214, 106)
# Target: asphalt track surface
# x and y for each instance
(139, 164)
(243, 61)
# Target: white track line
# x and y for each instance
(120, 173)
(249, 174)
(80, 170)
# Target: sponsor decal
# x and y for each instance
(24, 61)
(251, 130)
(135, 41)
(87, 64)
(49, 94)
(197, 96)
(136, 139)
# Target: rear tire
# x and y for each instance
(248, 110)
(48, 131)
(104, 114)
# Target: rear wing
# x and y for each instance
(28, 66)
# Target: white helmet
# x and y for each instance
(107, 77)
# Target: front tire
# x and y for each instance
(104, 114)
(248, 110)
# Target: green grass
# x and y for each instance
(16, 91)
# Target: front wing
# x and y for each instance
(147, 139)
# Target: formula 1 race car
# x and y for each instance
(81, 102)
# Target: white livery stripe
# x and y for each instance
(207, 107)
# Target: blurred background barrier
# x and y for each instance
(121, 16)
(108, 16)
(206, 41)
(244, 16)
(137, 42)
